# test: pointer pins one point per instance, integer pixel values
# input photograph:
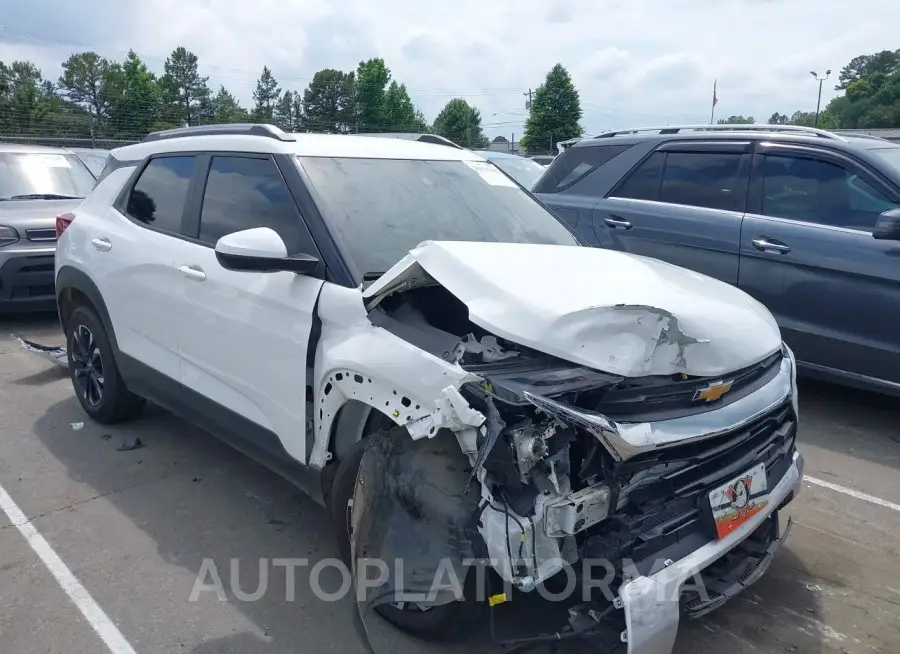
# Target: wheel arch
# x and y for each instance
(73, 289)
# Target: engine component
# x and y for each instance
(569, 515)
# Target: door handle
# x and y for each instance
(617, 222)
(770, 245)
(102, 244)
(192, 273)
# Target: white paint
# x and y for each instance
(263, 242)
(865, 497)
(96, 617)
(612, 311)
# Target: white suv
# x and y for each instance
(411, 337)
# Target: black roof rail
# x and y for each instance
(242, 129)
(725, 127)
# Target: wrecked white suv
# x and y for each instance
(407, 334)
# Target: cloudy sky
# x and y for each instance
(635, 62)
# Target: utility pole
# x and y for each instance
(528, 101)
(819, 80)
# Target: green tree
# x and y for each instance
(372, 78)
(555, 113)
(287, 112)
(185, 92)
(329, 102)
(266, 96)
(25, 100)
(92, 82)
(136, 109)
(226, 108)
(461, 123)
(400, 115)
(778, 119)
(500, 139)
(737, 120)
(886, 62)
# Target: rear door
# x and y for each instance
(682, 204)
(571, 188)
(808, 254)
(134, 244)
(243, 336)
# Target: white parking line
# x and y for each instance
(92, 612)
(865, 497)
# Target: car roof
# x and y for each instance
(304, 145)
(36, 149)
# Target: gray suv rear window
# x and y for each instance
(574, 165)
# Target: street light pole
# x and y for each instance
(819, 80)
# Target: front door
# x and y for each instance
(243, 336)
(808, 254)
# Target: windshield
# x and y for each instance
(383, 208)
(35, 175)
(891, 155)
(524, 171)
(93, 160)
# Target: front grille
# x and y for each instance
(664, 506)
(41, 235)
(648, 399)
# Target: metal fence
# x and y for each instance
(65, 141)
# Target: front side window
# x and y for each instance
(701, 179)
(822, 192)
(244, 193)
(160, 194)
(380, 209)
(43, 176)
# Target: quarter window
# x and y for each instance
(575, 164)
(160, 194)
(244, 193)
(816, 191)
(701, 179)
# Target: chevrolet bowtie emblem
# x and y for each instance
(713, 391)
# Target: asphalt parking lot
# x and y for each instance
(133, 529)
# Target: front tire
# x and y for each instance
(95, 377)
(434, 623)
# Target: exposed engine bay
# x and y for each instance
(565, 463)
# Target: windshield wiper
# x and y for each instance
(44, 196)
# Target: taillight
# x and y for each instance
(63, 220)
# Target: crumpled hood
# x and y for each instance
(620, 313)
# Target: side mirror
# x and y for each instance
(888, 226)
(261, 250)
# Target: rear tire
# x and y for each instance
(95, 377)
(436, 623)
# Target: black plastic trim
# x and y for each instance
(69, 278)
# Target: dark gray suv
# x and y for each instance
(804, 220)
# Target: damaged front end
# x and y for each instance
(545, 469)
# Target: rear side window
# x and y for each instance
(643, 182)
(244, 193)
(160, 194)
(575, 164)
(701, 179)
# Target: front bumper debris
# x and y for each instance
(652, 603)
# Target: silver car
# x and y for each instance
(38, 186)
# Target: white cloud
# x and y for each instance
(634, 61)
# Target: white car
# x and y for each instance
(409, 336)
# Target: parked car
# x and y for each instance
(424, 138)
(543, 159)
(525, 171)
(93, 158)
(805, 221)
(466, 394)
(36, 184)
